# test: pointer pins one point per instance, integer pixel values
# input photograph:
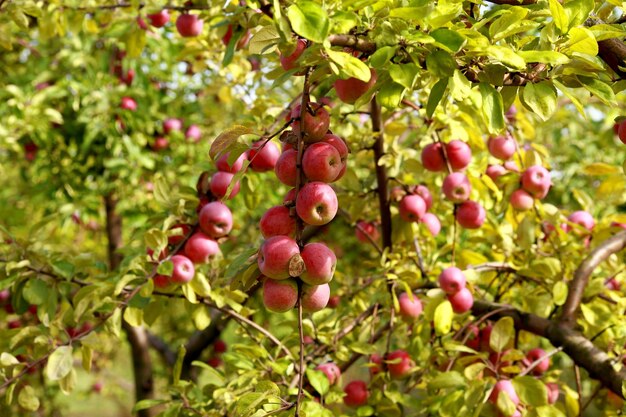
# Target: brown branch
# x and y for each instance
(353, 42)
(581, 275)
(199, 341)
(158, 344)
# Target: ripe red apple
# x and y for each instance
(452, 280)
(432, 157)
(160, 144)
(423, 192)
(536, 180)
(334, 301)
(171, 125)
(505, 386)
(220, 182)
(320, 263)
(342, 148)
(583, 219)
(331, 370)
(351, 89)
(356, 394)
(128, 104)
(280, 296)
(288, 62)
(366, 229)
(142, 23)
(188, 25)
(161, 281)
(222, 163)
(274, 256)
(97, 387)
(612, 284)
(470, 215)
(200, 248)
(219, 346)
(193, 133)
(321, 162)
(315, 297)
(276, 221)
(456, 187)
(462, 301)
(215, 219)
(536, 354)
(432, 223)
(30, 151)
(285, 168)
(378, 366)
(214, 362)
(521, 200)
(502, 147)
(290, 197)
(495, 171)
(181, 231)
(316, 203)
(183, 269)
(158, 20)
(473, 338)
(14, 324)
(412, 208)
(511, 166)
(409, 309)
(314, 122)
(621, 131)
(459, 154)
(399, 364)
(264, 159)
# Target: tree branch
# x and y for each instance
(158, 344)
(584, 271)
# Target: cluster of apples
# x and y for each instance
(453, 282)
(171, 125)
(219, 347)
(281, 260)
(455, 155)
(188, 25)
(414, 205)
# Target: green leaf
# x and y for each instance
(211, 375)
(59, 363)
(390, 95)
(264, 41)
(166, 268)
(349, 65)
(35, 291)
(502, 334)
(502, 26)
(492, 107)
(581, 40)
(6, 359)
(600, 168)
(444, 380)
(68, 382)
(435, 96)
(146, 404)
(505, 404)
(225, 139)
(133, 316)
(382, 56)
(318, 381)
(309, 20)
(450, 40)
(599, 89)
(178, 366)
(531, 390)
(559, 293)
(404, 74)
(507, 56)
(135, 42)
(546, 57)
(200, 285)
(27, 399)
(578, 11)
(558, 16)
(443, 318)
(540, 98)
(441, 64)
(604, 32)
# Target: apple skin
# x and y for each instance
(129, 77)
(14, 324)
(315, 297)
(331, 370)
(214, 362)
(456, 187)
(160, 19)
(189, 25)
(470, 215)
(289, 62)
(410, 309)
(320, 262)
(334, 301)
(314, 122)
(432, 157)
(621, 132)
(185, 229)
(502, 147)
(222, 163)
(356, 394)
(215, 219)
(276, 222)
(366, 229)
(377, 360)
(220, 182)
(553, 392)
(342, 148)
(290, 197)
(316, 203)
(462, 301)
(285, 168)
(200, 248)
(321, 162)
(402, 368)
(504, 385)
(583, 219)
(612, 284)
(459, 154)
(495, 172)
(511, 166)
(350, 90)
(521, 200)
(265, 159)
(536, 180)
(128, 104)
(452, 280)
(160, 144)
(170, 125)
(473, 338)
(219, 346)
(193, 133)
(424, 192)
(183, 269)
(274, 256)
(511, 114)
(280, 296)
(536, 354)
(412, 208)
(432, 223)
(161, 281)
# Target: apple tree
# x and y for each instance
(306, 208)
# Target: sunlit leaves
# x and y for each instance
(309, 20)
